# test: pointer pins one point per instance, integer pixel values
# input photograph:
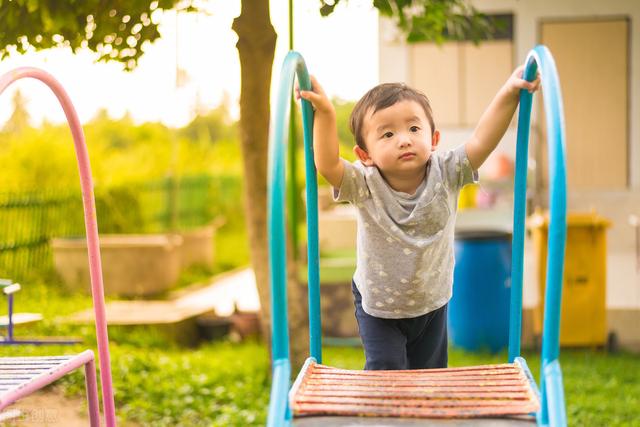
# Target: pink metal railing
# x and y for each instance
(91, 226)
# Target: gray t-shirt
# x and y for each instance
(405, 242)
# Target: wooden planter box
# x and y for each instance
(132, 265)
(135, 265)
(197, 247)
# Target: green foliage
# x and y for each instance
(431, 20)
(19, 119)
(148, 178)
(117, 30)
(124, 210)
(28, 163)
(219, 384)
(347, 141)
(120, 152)
(215, 125)
(231, 246)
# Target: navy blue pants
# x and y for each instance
(412, 343)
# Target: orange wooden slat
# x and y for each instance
(404, 402)
(478, 391)
(413, 412)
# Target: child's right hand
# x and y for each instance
(319, 100)
(325, 134)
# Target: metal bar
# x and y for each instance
(279, 413)
(519, 214)
(55, 372)
(10, 315)
(91, 384)
(293, 65)
(555, 395)
(540, 59)
(91, 225)
(44, 341)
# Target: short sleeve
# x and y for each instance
(353, 187)
(458, 171)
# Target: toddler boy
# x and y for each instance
(406, 194)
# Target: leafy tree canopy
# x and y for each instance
(431, 20)
(117, 29)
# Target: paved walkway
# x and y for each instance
(226, 292)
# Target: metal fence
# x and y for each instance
(29, 220)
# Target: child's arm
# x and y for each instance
(325, 135)
(495, 120)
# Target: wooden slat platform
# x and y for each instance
(326, 421)
(469, 392)
(20, 319)
(19, 376)
(226, 292)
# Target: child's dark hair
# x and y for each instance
(383, 96)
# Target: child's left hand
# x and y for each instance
(516, 82)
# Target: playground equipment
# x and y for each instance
(330, 395)
(12, 319)
(22, 376)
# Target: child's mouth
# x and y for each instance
(407, 156)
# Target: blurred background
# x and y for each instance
(178, 207)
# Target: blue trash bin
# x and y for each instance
(479, 308)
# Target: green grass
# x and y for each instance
(223, 384)
(219, 384)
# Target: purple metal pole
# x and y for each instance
(92, 393)
(91, 226)
(10, 315)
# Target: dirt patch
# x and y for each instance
(50, 408)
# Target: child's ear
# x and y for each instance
(435, 139)
(363, 156)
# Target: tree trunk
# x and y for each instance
(256, 47)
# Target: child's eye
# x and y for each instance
(414, 129)
(387, 135)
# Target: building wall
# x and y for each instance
(616, 204)
(394, 58)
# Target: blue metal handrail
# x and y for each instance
(294, 65)
(552, 410)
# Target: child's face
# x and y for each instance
(399, 139)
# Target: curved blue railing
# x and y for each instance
(552, 410)
(294, 65)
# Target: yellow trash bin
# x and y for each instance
(467, 197)
(583, 319)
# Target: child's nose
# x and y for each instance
(404, 140)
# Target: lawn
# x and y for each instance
(227, 384)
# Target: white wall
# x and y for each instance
(623, 278)
(528, 15)
(393, 59)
